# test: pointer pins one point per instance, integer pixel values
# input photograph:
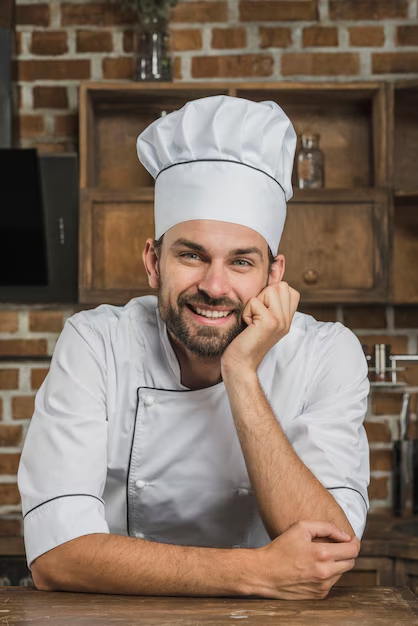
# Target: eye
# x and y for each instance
(192, 256)
(242, 263)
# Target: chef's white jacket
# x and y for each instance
(117, 444)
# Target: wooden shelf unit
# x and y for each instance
(337, 240)
(403, 176)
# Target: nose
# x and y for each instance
(214, 281)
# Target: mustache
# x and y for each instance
(202, 299)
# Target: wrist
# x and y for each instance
(233, 370)
(249, 568)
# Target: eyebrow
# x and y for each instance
(198, 248)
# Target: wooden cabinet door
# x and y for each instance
(369, 572)
(114, 226)
(336, 249)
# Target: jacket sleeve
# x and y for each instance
(329, 436)
(63, 466)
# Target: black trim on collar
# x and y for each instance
(222, 161)
(351, 489)
(67, 495)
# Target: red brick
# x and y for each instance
(10, 527)
(320, 313)
(18, 43)
(386, 403)
(367, 36)
(30, 125)
(46, 321)
(379, 488)
(275, 37)
(224, 38)
(232, 66)
(369, 316)
(410, 376)
(118, 68)
(32, 14)
(9, 463)
(9, 379)
(367, 9)
(177, 71)
(37, 377)
(381, 460)
(9, 494)
(22, 407)
(277, 11)
(406, 316)
(378, 432)
(128, 41)
(399, 344)
(407, 35)
(200, 12)
(96, 14)
(320, 36)
(54, 69)
(320, 64)
(10, 435)
(49, 42)
(50, 97)
(94, 41)
(395, 62)
(66, 125)
(187, 39)
(23, 347)
(8, 321)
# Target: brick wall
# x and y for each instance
(62, 42)
(34, 330)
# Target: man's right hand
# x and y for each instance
(296, 566)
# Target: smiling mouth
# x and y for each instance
(209, 313)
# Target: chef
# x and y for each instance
(207, 441)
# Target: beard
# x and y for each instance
(206, 342)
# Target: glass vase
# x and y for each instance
(310, 163)
(151, 60)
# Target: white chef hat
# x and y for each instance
(221, 158)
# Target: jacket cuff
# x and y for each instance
(62, 519)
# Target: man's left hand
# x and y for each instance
(268, 318)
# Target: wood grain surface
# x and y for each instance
(384, 605)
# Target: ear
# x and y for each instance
(150, 259)
(277, 269)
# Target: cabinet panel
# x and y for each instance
(336, 250)
(114, 228)
(404, 279)
(406, 138)
(406, 574)
(369, 572)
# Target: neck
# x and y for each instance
(196, 372)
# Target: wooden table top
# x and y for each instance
(345, 606)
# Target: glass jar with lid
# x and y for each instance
(310, 163)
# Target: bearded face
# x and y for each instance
(209, 336)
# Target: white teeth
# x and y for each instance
(214, 314)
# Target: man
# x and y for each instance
(209, 443)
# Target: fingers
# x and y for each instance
(325, 529)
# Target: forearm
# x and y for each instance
(102, 563)
(286, 490)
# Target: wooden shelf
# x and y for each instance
(360, 233)
(406, 193)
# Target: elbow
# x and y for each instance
(41, 577)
